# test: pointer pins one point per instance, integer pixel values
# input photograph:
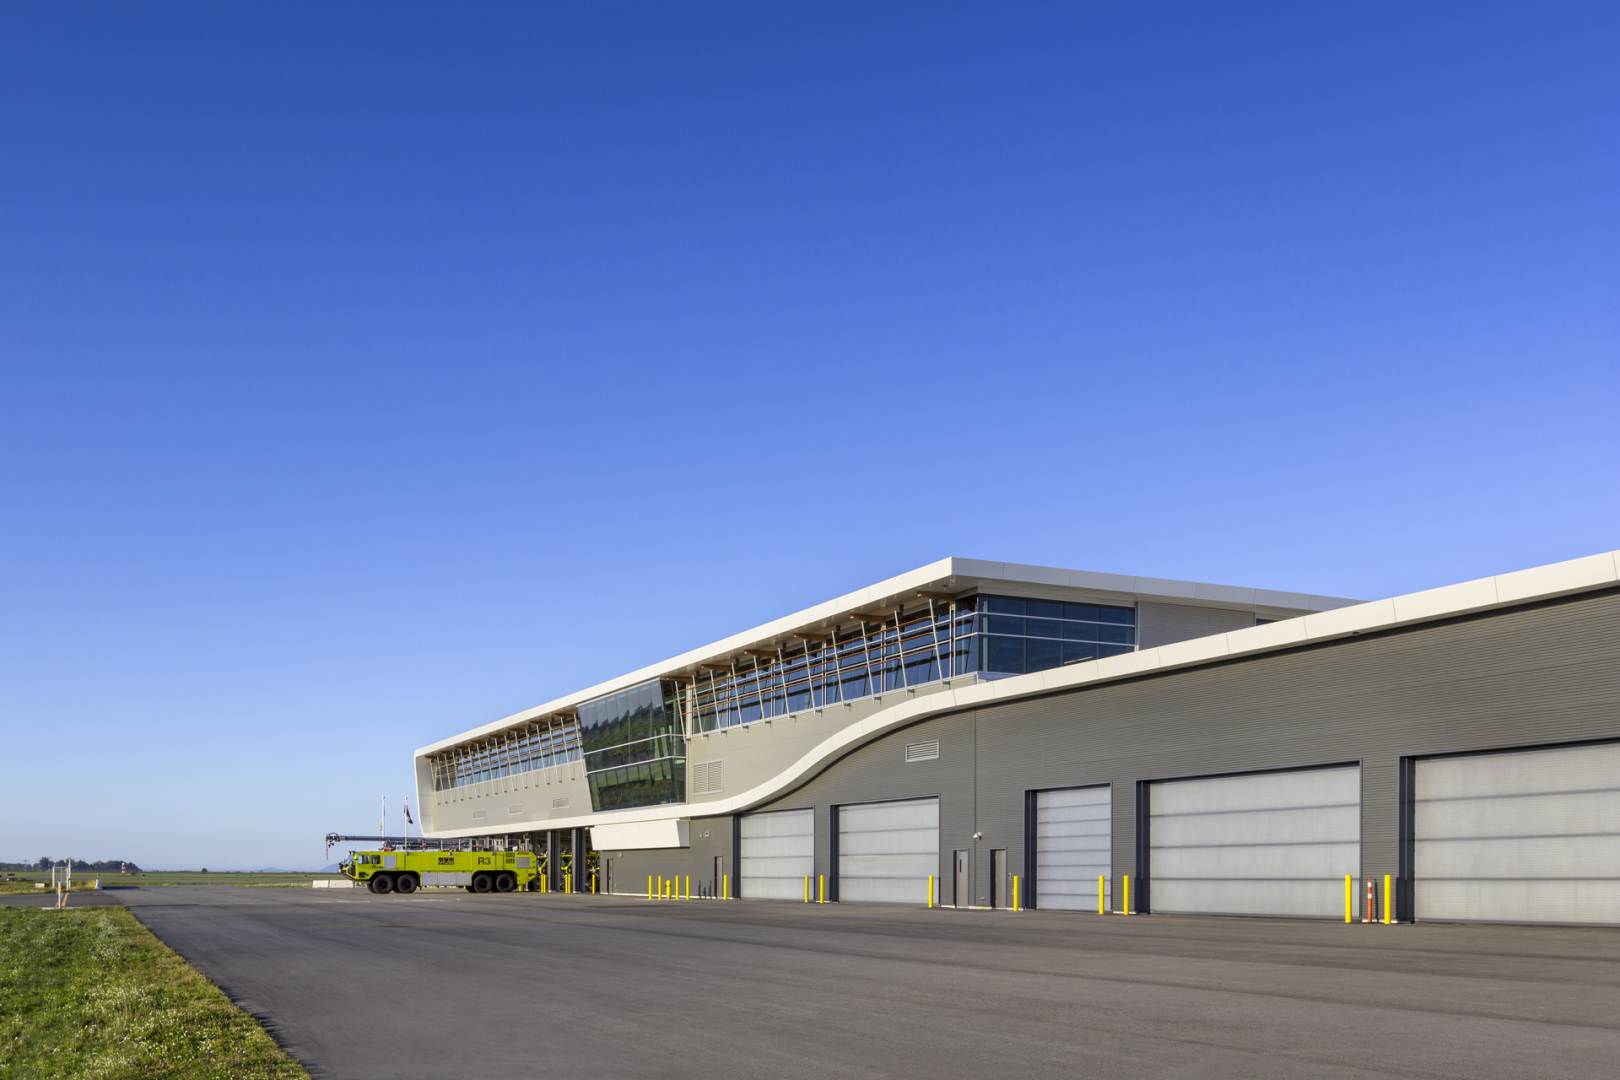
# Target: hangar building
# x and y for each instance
(1232, 750)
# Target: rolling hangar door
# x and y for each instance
(887, 850)
(776, 851)
(1522, 836)
(1073, 847)
(1275, 843)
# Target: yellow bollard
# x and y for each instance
(1015, 892)
(545, 883)
(688, 886)
(649, 886)
(1102, 907)
(930, 889)
(807, 888)
(1349, 898)
(725, 886)
(593, 882)
(821, 888)
(1125, 908)
(568, 883)
(1389, 901)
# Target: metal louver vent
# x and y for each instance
(922, 751)
(480, 814)
(515, 808)
(559, 802)
(707, 777)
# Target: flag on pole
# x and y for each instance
(408, 819)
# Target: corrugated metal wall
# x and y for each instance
(1544, 674)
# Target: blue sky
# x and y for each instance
(370, 374)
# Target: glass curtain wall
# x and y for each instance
(635, 750)
(919, 646)
(1023, 635)
(992, 635)
(538, 745)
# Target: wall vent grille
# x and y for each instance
(707, 777)
(515, 808)
(479, 815)
(922, 751)
(559, 802)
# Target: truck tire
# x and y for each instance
(481, 883)
(505, 881)
(382, 884)
(405, 884)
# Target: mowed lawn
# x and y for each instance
(90, 992)
(23, 881)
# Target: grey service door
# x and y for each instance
(886, 851)
(1277, 843)
(1526, 836)
(1073, 848)
(777, 850)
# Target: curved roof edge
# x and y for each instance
(1587, 574)
(952, 573)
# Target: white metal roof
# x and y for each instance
(952, 574)
(1588, 574)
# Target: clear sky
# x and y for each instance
(371, 372)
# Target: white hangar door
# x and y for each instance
(1526, 836)
(1073, 847)
(777, 850)
(887, 850)
(1276, 843)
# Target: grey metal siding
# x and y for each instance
(710, 838)
(1543, 674)
(1161, 624)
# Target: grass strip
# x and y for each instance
(90, 992)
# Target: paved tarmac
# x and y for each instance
(445, 984)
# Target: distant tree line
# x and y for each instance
(106, 866)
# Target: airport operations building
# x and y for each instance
(1229, 750)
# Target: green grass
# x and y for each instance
(25, 879)
(89, 992)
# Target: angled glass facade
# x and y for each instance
(923, 645)
(633, 741)
(988, 635)
(538, 745)
(635, 750)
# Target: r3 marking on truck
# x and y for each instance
(475, 871)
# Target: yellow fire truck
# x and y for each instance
(389, 871)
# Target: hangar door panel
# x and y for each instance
(1526, 836)
(1073, 847)
(887, 850)
(776, 851)
(1275, 843)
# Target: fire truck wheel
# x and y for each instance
(505, 881)
(405, 884)
(382, 883)
(481, 883)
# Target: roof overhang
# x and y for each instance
(946, 577)
(1592, 573)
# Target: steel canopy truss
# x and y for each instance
(545, 743)
(878, 652)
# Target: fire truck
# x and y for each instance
(389, 871)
